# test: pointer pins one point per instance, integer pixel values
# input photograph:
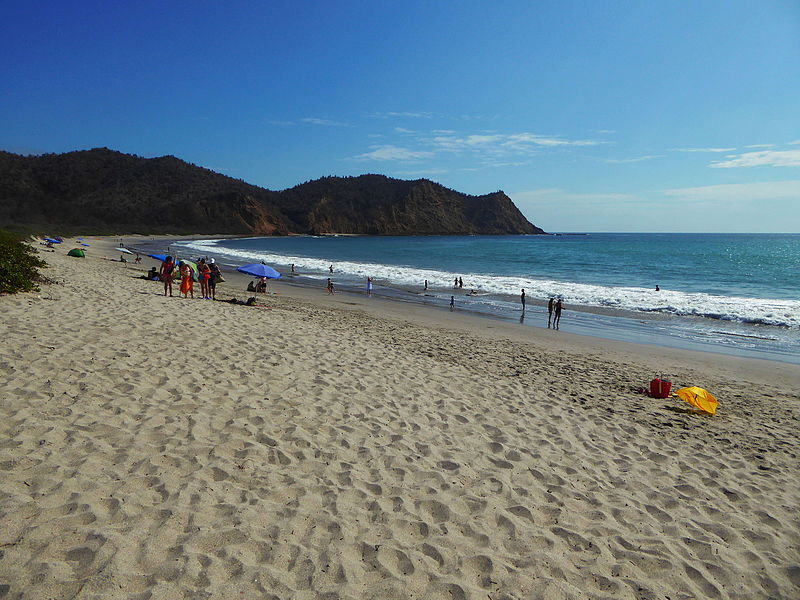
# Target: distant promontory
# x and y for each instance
(102, 191)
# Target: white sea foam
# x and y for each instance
(784, 313)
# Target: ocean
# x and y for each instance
(729, 293)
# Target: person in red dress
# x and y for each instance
(166, 273)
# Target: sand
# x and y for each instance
(343, 447)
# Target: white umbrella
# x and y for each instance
(124, 250)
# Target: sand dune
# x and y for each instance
(161, 448)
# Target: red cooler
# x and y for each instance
(660, 388)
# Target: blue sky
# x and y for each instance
(592, 116)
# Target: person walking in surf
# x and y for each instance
(557, 320)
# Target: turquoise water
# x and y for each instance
(734, 285)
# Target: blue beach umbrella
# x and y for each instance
(84, 244)
(52, 240)
(257, 270)
(161, 257)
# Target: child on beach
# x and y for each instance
(452, 303)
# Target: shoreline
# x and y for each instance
(659, 358)
(683, 333)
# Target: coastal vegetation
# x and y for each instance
(102, 191)
(18, 264)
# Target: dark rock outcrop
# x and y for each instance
(103, 191)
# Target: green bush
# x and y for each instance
(18, 265)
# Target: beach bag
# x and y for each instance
(660, 388)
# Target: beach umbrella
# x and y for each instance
(699, 398)
(259, 270)
(52, 240)
(161, 257)
(123, 250)
(78, 252)
(84, 244)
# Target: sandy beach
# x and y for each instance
(322, 447)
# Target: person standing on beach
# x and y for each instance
(369, 286)
(187, 280)
(330, 268)
(557, 320)
(329, 286)
(426, 285)
(166, 273)
(550, 305)
(204, 275)
(452, 303)
(292, 268)
(460, 282)
(216, 275)
(522, 299)
(455, 282)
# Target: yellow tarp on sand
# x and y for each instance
(699, 398)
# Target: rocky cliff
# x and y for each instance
(103, 191)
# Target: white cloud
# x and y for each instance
(421, 172)
(540, 140)
(325, 122)
(764, 190)
(765, 158)
(794, 143)
(760, 146)
(393, 153)
(281, 123)
(403, 115)
(705, 149)
(631, 160)
(497, 164)
(499, 149)
(500, 143)
(604, 131)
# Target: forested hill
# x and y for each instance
(103, 191)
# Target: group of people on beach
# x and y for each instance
(554, 308)
(208, 275)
